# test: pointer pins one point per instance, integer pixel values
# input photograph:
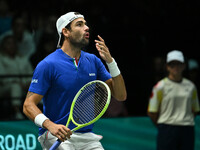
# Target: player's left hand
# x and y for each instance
(103, 50)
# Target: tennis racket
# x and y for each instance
(89, 104)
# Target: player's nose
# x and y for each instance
(86, 28)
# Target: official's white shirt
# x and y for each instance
(175, 102)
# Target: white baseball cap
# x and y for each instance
(64, 20)
(175, 55)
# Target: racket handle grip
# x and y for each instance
(55, 145)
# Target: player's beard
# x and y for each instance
(79, 41)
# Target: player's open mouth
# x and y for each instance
(87, 35)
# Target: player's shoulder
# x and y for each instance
(88, 55)
(49, 60)
(53, 55)
(53, 58)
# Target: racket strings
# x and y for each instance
(88, 109)
(90, 103)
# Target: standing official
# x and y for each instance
(173, 106)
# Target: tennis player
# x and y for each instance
(59, 76)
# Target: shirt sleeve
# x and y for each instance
(155, 99)
(41, 80)
(195, 101)
(102, 73)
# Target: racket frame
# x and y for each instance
(74, 101)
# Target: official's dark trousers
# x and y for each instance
(172, 137)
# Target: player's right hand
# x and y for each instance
(58, 130)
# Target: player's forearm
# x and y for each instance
(117, 85)
(118, 88)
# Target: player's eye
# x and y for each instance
(79, 24)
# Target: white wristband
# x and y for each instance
(39, 120)
(113, 68)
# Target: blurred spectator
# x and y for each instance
(5, 17)
(49, 26)
(46, 46)
(12, 68)
(43, 26)
(25, 42)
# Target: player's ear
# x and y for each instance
(65, 32)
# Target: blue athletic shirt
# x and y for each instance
(58, 80)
